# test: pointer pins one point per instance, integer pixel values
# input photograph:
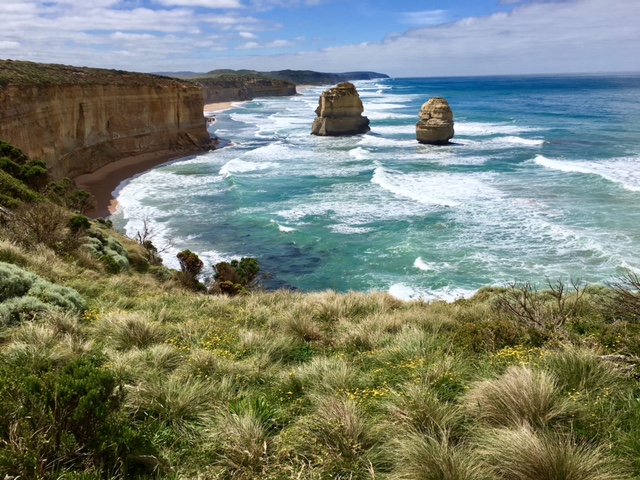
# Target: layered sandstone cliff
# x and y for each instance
(228, 88)
(78, 120)
(340, 112)
(436, 122)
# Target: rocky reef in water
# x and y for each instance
(436, 122)
(80, 119)
(340, 112)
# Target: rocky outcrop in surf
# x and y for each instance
(340, 112)
(80, 119)
(436, 122)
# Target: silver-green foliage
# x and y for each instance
(24, 294)
(109, 250)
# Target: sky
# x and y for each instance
(410, 38)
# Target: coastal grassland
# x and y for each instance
(316, 385)
(111, 368)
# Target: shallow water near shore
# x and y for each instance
(542, 180)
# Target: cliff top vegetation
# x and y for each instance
(19, 72)
(112, 366)
(298, 77)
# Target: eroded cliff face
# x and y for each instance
(79, 127)
(228, 89)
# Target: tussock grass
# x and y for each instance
(427, 457)
(522, 454)
(182, 404)
(580, 369)
(418, 408)
(341, 439)
(520, 396)
(242, 445)
(302, 326)
(328, 375)
(124, 330)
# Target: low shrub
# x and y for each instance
(25, 295)
(66, 418)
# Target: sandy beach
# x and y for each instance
(218, 107)
(104, 181)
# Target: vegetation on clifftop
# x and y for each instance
(122, 372)
(18, 72)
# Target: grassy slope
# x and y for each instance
(312, 386)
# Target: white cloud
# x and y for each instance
(424, 18)
(537, 36)
(9, 45)
(213, 4)
(273, 44)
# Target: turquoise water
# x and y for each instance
(543, 180)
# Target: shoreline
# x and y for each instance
(104, 182)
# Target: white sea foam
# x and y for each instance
(348, 229)
(473, 129)
(498, 143)
(405, 292)
(241, 166)
(435, 189)
(384, 115)
(622, 171)
(377, 141)
(394, 129)
(283, 228)
(359, 153)
(419, 264)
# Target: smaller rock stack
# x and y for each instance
(436, 122)
(340, 112)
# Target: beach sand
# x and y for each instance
(104, 181)
(218, 107)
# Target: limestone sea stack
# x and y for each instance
(436, 122)
(340, 112)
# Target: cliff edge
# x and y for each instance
(80, 119)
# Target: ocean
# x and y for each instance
(542, 182)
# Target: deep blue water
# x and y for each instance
(543, 180)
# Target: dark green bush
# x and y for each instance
(78, 223)
(191, 266)
(14, 191)
(67, 418)
(235, 277)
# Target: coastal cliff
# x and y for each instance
(226, 88)
(79, 119)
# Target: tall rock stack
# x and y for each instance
(436, 122)
(340, 112)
